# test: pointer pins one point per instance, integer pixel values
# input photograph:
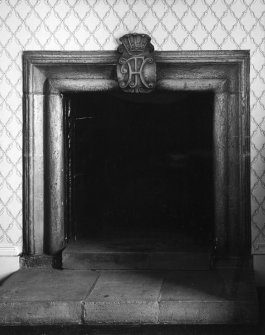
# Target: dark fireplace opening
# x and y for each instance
(140, 170)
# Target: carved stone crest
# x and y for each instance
(136, 68)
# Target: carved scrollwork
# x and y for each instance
(136, 68)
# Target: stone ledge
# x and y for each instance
(66, 297)
(40, 313)
(132, 330)
(145, 313)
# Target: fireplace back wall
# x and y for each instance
(45, 26)
(139, 164)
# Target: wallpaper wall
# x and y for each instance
(96, 25)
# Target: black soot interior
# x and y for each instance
(141, 168)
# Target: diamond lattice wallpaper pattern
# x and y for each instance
(96, 25)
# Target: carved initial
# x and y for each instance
(136, 70)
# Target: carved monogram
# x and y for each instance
(136, 69)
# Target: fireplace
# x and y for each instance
(178, 154)
(152, 178)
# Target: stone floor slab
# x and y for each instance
(207, 312)
(124, 297)
(208, 297)
(193, 286)
(47, 285)
(40, 312)
(127, 286)
(45, 296)
(130, 312)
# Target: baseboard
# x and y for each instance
(9, 250)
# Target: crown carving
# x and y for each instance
(135, 43)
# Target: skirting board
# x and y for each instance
(9, 250)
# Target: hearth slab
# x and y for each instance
(48, 285)
(222, 297)
(156, 242)
(48, 296)
(113, 254)
(44, 296)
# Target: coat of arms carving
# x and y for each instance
(136, 68)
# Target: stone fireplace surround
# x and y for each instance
(48, 75)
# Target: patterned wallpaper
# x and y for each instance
(96, 25)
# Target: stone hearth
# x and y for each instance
(118, 297)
